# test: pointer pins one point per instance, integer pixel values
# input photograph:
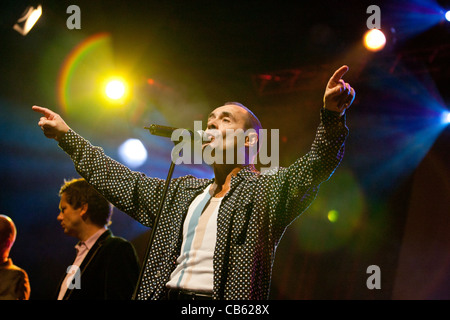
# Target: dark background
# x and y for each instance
(391, 191)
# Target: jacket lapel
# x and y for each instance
(90, 256)
(93, 251)
(230, 203)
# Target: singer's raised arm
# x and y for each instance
(131, 192)
(255, 208)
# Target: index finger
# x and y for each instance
(46, 112)
(339, 73)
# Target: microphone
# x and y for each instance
(166, 132)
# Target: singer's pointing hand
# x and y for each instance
(51, 123)
(339, 95)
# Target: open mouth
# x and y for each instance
(207, 138)
(207, 143)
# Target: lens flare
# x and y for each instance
(82, 75)
(334, 217)
(133, 153)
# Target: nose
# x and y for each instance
(59, 217)
(211, 124)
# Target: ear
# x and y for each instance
(251, 139)
(6, 245)
(84, 209)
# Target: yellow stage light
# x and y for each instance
(374, 40)
(115, 89)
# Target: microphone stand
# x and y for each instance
(154, 227)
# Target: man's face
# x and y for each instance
(229, 117)
(70, 218)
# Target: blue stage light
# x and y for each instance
(446, 117)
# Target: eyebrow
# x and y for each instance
(222, 114)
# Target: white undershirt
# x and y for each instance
(194, 269)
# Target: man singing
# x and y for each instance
(216, 238)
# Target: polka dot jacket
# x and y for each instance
(251, 220)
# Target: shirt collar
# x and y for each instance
(89, 243)
(248, 173)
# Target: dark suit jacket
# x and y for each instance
(109, 271)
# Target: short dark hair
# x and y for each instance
(79, 192)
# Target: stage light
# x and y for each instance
(115, 89)
(447, 15)
(374, 40)
(133, 153)
(446, 117)
(28, 19)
